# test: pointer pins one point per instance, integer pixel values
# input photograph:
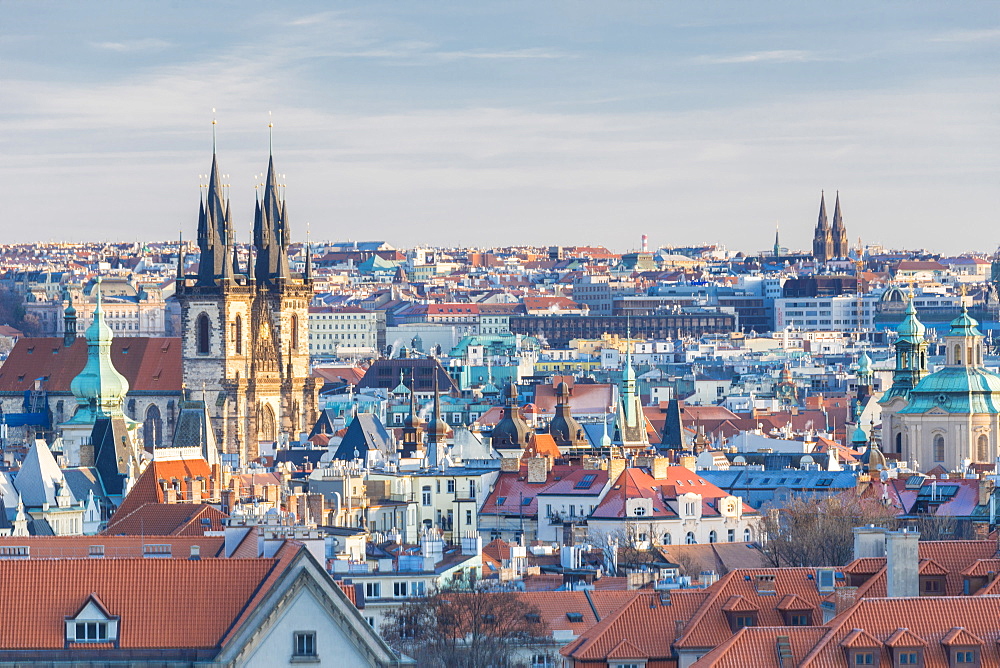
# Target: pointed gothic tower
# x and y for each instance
(244, 336)
(822, 237)
(838, 233)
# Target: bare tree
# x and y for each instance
(478, 628)
(819, 532)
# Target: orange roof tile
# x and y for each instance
(931, 618)
(167, 519)
(114, 547)
(210, 593)
(757, 646)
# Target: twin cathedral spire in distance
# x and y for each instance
(830, 242)
(217, 241)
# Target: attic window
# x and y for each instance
(31, 349)
(574, 616)
(125, 350)
(501, 500)
(533, 617)
(526, 501)
(20, 378)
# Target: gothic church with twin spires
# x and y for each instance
(244, 328)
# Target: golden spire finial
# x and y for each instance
(270, 134)
(213, 130)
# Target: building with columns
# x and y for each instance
(947, 417)
(245, 329)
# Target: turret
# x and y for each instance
(69, 322)
(911, 354)
(99, 388)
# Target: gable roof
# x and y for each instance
(149, 364)
(213, 593)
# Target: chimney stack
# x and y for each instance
(901, 564)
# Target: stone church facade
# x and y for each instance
(244, 328)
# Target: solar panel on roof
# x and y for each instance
(586, 481)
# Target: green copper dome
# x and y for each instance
(911, 327)
(98, 387)
(964, 325)
(957, 389)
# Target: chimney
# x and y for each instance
(589, 463)
(317, 507)
(510, 465)
(643, 461)
(660, 467)
(843, 598)
(689, 462)
(197, 487)
(901, 564)
(869, 541)
(986, 487)
(87, 452)
(538, 469)
(195, 553)
(615, 467)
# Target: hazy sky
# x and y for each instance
(494, 123)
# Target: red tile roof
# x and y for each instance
(209, 594)
(937, 620)
(757, 646)
(167, 519)
(147, 487)
(149, 364)
(114, 547)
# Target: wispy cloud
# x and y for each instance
(134, 45)
(984, 35)
(778, 56)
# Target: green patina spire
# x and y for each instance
(99, 388)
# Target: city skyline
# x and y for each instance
(569, 123)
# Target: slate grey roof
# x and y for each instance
(36, 481)
(366, 432)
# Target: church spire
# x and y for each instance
(270, 228)
(212, 225)
(822, 237)
(838, 233)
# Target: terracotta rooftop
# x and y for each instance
(149, 364)
(167, 519)
(212, 592)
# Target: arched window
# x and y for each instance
(152, 427)
(939, 448)
(295, 332)
(983, 449)
(899, 442)
(747, 535)
(203, 329)
(668, 539)
(239, 335)
(267, 428)
(712, 536)
(690, 539)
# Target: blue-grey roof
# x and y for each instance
(366, 432)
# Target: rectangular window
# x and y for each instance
(399, 589)
(451, 486)
(909, 658)
(427, 495)
(91, 631)
(305, 643)
(468, 517)
(373, 590)
(864, 658)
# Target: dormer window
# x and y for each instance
(92, 624)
